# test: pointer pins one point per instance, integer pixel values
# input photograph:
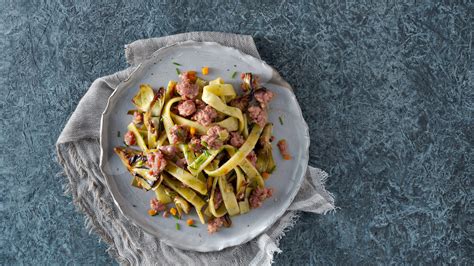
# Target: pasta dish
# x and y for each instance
(198, 145)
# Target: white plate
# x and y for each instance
(223, 61)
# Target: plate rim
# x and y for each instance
(275, 79)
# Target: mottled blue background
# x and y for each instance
(387, 90)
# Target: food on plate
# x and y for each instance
(283, 147)
(198, 145)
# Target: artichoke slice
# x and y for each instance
(143, 99)
(265, 161)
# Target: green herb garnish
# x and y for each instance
(234, 74)
(281, 120)
(199, 160)
(118, 134)
(193, 225)
(177, 71)
(178, 64)
(177, 226)
(176, 217)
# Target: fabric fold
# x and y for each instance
(139, 50)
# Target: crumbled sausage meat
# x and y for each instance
(156, 205)
(205, 116)
(215, 137)
(214, 224)
(169, 151)
(199, 104)
(195, 145)
(129, 138)
(156, 162)
(236, 139)
(181, 163)
(241, 102)
(259, 195)
(179, 134)
(252, 157)
(263, 96)
(258, 115)
(186, 108)
(187, 87)
(137, 117)
(283, 147)
(217, 199)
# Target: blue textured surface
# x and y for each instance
(387, 90)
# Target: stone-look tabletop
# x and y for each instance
(387, 90)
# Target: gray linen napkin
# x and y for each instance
(78, 153)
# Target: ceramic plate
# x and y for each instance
(223, 62)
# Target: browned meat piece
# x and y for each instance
(199, 104)
(205, 116)
(188, 75)
(241, 102)
(137, 117)
(157, 162)
(217, 199)
(195, 145)
(214, 224)
(258, 115)
(169, 151)
(263, 96)
(252, 157)
(186, 108)
(215, 137)
(187, 87)
(179, 134)
(259, 195)
(129, 138)
(157, 205)
(236, 139)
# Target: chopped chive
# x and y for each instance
(177, 71)
(193, 225)
(176, 217)
(118, 134)
(178, 64)
(177, 226)
(281, 120)
(234, 74)
(199, 160)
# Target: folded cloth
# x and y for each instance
(78, 153)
